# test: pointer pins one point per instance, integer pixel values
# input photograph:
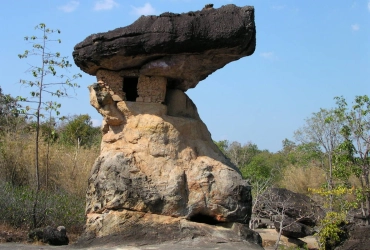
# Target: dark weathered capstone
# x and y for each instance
(185, 48)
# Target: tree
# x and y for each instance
(353, 153)
(79, 131)
(222, 145)
(45, 82)
(238, 154)
(323, 129)
(302, 154)
(8, 112)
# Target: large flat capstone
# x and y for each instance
(185, 48)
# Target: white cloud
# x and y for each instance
(268, 55)
(105, 5)
(69, 7)
(147, 9)
(368, 5)
(355, 27)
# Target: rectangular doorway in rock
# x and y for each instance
(130, 88)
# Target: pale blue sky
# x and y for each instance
(307, 53)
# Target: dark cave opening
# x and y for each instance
(130, 88)
(206, 219)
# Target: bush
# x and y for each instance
(64, 173)
(330, 233)
(54, 209)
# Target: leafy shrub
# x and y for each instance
(330, 233)
(54, 209)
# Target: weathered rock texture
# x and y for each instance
(301, 214)
(158, 164)
(183, 48)
(354, 237)
(53, 236)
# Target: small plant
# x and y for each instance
(330, 229)
(55, 208)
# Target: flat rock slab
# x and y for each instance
(183, 47)
(269, 237)
(182, 245)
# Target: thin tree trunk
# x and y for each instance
(280, 232)
(330, 182)
(38, 136)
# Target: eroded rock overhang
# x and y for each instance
(182, 48)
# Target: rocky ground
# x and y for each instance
(268, 237)
(183, 245)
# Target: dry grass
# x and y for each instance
(300, 179)
(61, 167)
(12, 234)
(64, 172)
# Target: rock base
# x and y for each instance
(138, 229)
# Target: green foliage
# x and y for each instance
(222, 145)
(78, 130)
(263, 166)
(239, 154)
(45, 79)
(55, 209)
(9, 115)
(353, 154)
(338, 197)
(303, 154)
(48, 130)
(330, 231)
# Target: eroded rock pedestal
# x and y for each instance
(159, 173)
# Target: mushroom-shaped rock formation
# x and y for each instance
(159, 173)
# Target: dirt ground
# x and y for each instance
(10, 234)
(17, 237)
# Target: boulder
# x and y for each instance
(148, 229)
(269, 237)
(185, 48)
(354, 237)
(293, 229)
(301, 213)
(52, 236)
